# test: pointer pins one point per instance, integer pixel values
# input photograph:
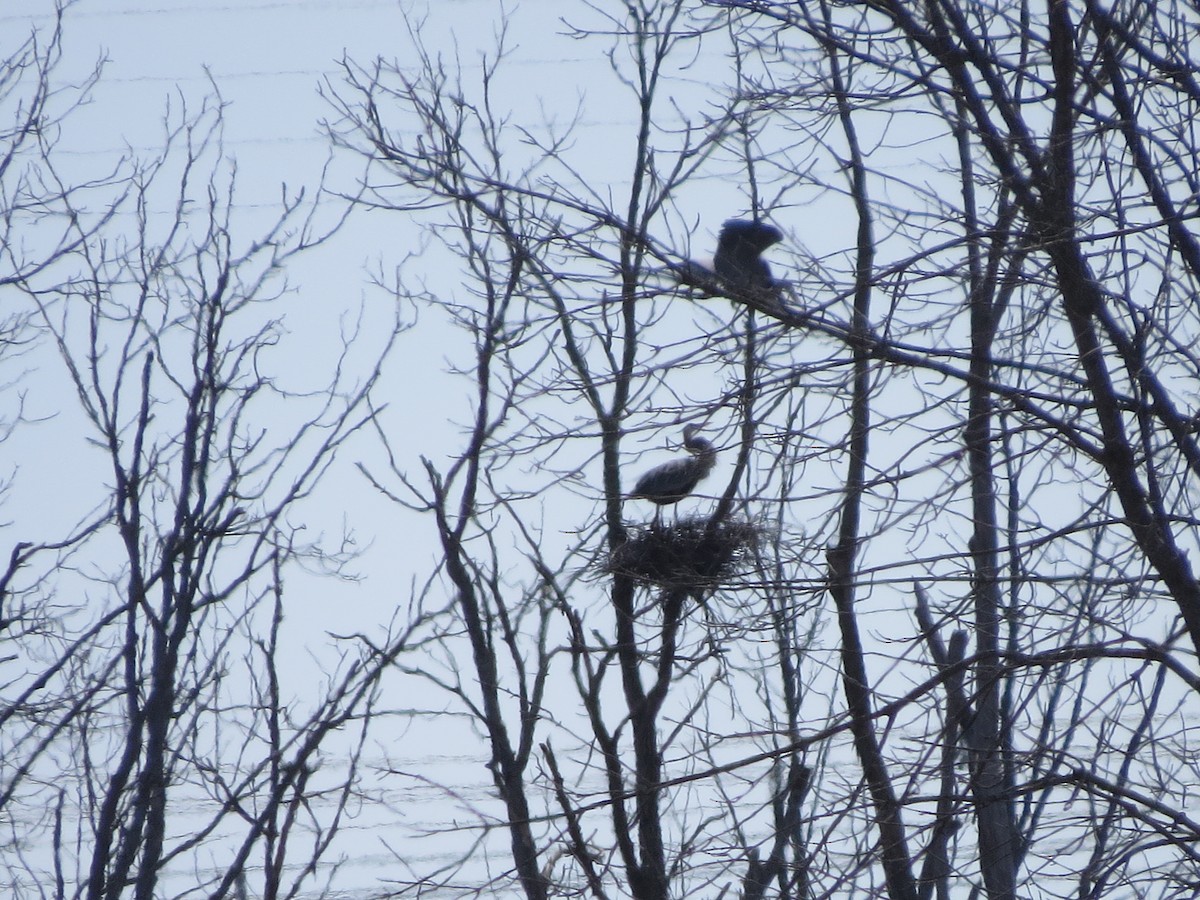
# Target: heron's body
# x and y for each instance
(739, 261)
(674, 480)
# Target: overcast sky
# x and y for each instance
(268, 60)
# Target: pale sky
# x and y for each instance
(268, 60)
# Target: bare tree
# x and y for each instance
(154, 739)
(36, 231)
(976, 405)
(930, 626)
(557, 359)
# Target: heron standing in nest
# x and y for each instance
(672, 481)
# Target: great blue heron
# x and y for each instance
(674, 480)
(739, 261)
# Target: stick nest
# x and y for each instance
(689, 553)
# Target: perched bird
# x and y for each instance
(674, 480)
(739, 261)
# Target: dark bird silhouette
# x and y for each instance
(739, 261)
(674, 480)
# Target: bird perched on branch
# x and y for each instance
(674, 480)
(739, 261)
(738, 270)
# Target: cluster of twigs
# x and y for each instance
(688, 553)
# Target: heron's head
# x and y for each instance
(696, 444)
(752, 233)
